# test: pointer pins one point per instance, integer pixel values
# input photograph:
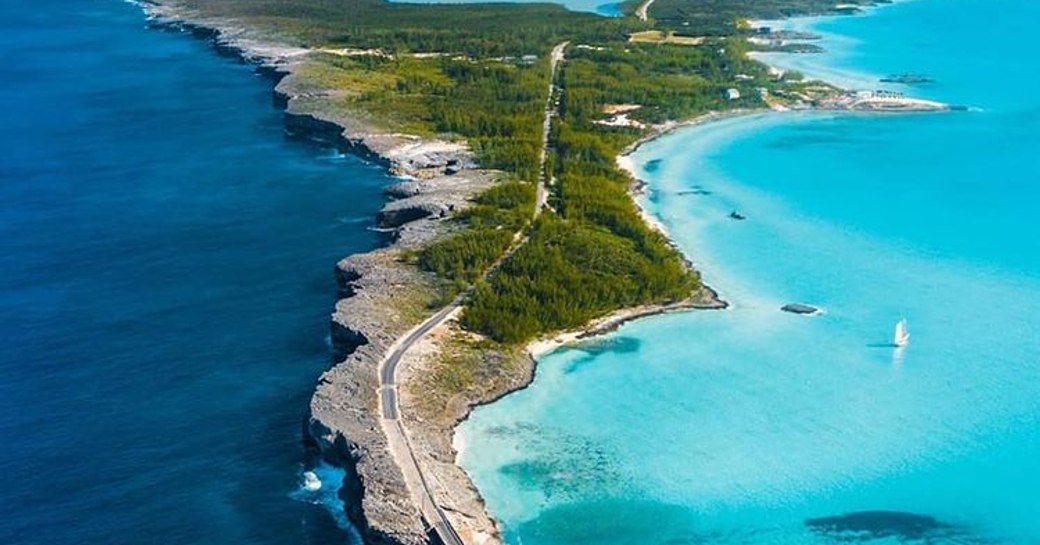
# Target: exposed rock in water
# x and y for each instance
(799, 308)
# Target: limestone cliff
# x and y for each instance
(382, 296)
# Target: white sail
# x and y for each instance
(902, 337)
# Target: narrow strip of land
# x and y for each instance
(397, 438)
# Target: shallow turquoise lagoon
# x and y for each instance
(750, 425)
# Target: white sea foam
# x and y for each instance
(311, 482)
(321, 486)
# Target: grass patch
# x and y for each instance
(664, 37)
(465, 369)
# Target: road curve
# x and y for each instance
(388, 369)
(397, 439)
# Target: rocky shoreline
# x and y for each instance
(382, 297)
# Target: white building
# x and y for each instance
(732, 94)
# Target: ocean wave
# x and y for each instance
(320, 486)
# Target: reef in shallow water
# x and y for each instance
(871, 525)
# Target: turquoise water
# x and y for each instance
(749, 425)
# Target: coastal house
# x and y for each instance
(732, 94)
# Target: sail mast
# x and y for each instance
(901, 337)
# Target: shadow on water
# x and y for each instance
(832, 133)
(652, 166)
(696, 190)
(615, 344)
(865, 526)
(595, 348)
(614, 521)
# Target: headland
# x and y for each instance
(512, 212)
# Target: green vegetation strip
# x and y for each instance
(598, 255)
(480, 72)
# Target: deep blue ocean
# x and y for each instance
(755, 426)
(166, 260)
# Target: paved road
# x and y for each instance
(542, 193)
(643, 9)
(388, 403)
(388, 371)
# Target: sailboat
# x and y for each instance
(902, 337)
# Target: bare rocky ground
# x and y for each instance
(382, 294)
(382, 297)
(431, 418)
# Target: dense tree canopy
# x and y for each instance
(480, 72)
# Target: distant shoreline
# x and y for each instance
(847, 105)
(705, 299)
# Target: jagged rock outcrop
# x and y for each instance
(308, 126)
(308, 114)
(344, 420)
(399, 213)
(434, 198)
(381, 296)
(308, 111)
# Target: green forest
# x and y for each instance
(480, 73)
(596, 254)
(475, 30)
(489, 228)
